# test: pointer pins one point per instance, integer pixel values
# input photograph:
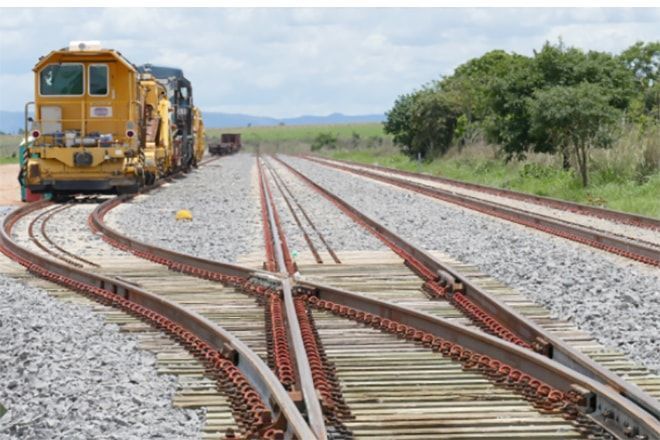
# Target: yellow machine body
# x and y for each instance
(157, 129)
(102, 125)
(84, 137)
(200, 134)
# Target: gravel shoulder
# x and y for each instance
(609, 226)
(616, 300)
(223, 198)
(66, 373)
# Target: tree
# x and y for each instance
(643, 59)
(355, 139)
(398, 120)
(422, 123)
(469, 86)
(507, 97)
(572, 117)
(552, 66)
(559, 65)
(433, 123)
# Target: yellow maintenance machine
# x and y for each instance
(103, 125)
(200, 134)
(157, 133)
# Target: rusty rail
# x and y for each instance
(159, 255)
(578, 208)
(284, 266)
(552, 384)
(253, 382)
(597, 239)
(543, 341)
(543, 381)
(284, 186)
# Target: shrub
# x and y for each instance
(324, 140)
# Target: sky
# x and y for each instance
(288, 62)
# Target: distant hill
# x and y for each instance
(226, 120)
(11, 122)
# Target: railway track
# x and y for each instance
(553, 222)
(344, 386)
(415, 298)
(219, 371)
(563, 205)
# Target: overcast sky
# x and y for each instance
(289, 62)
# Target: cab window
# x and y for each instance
(61, 79)
(98, 79)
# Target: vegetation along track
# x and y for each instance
(639, 250)
(315, 319)
(594, 211)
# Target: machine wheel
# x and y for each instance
(61, 197)
(128, 189)
(149, 178)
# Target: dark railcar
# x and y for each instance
(229, 143)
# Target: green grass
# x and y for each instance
(9, 144)
(299, 133)
(606, 189)
(8, 147)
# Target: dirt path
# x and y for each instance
(10, 191)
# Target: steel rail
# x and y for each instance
(40, 245)
(308, 240)
(601, 403)
(42, 229)
(259, 376)
(96, 221)
(310, 395)
(551, 346)
(579, 208)
(618, 415)
(304, 213)
(597, 239)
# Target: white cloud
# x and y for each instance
(285, 62)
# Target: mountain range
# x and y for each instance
(11, 122)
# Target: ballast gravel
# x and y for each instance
(617, 301)
(67, 374)
(336, 228)
(223, 199)
(70, 231)
(634, 232)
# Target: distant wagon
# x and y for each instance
(229, 143)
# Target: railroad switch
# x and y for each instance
(267, 281)
(303, 290)
(541, 346)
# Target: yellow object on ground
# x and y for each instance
(184, 214)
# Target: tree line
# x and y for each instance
(559, 100)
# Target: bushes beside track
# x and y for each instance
(619, 179)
